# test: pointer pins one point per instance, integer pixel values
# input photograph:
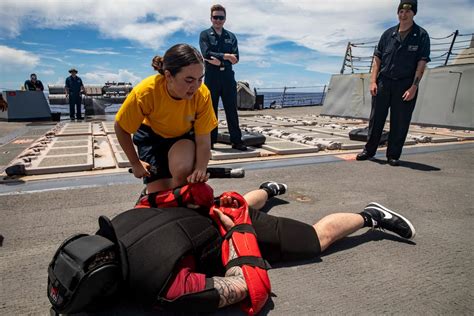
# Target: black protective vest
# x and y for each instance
(156, 239)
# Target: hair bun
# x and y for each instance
(157, 63)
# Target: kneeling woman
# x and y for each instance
(170, 116)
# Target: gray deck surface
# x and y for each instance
(368, 273)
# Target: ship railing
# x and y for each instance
(274, 97)
(453, 48)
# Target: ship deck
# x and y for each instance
(369, 272)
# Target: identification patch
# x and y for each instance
(228, 41)
(54, 293)
(412, 48)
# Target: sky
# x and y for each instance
(297, 43)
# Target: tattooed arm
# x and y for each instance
(411, 92)
(232, 288)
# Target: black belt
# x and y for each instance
(395, 79)
(219, 68)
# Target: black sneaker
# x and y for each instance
(240, 147)
(393, 162)
(384, 218)
(274, 188)
(363, 156)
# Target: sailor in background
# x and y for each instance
(3, 103)
(399, 62)
(74, 87)
(33, 84)
(220, 51)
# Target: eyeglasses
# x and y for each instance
(218, 17)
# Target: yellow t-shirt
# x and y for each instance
(150, 103)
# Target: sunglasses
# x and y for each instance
(218, 17)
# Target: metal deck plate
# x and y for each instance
(103, 155)
(62, 162)
(270, 139)
(82, 146)
(225, 152)
(285, 148)
(348, 144)
(68, 138)
(276, 123)
(67, 151)
(460, 134)
(117, 151)
(248, 123)
(108, 127)
(76, 129)
(84, 142)
(98, 130)
(332, 131)
(439, 138)
(61, 155)
(122, 160)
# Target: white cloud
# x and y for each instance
(324, 26)
(58, 81)
(325, 66)
(320, 28)
(36, 44)
(16, 60)
(101, 76)
(59, 60)
(47, 72)
(92, 52)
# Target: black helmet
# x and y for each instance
(84, 270)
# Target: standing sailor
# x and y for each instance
(399, 62)
(74, 87)
(220, 51)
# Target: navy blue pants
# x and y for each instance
(389, 96)
(222, 84)
(153, 148)
(75, 101)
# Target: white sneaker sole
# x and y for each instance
(399, 215)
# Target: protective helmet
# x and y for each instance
(85, 270)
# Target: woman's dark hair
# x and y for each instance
(175, 58)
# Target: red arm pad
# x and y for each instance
(245, 245)
(194, 193)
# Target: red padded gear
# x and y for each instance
(245, 244)
(194, 193)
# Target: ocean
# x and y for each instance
(292, 99)
(270, 99)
